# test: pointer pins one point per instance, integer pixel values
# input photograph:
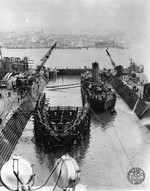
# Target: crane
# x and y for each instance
(45, 57)
(112, 62)
(119, 68)
(34, 73)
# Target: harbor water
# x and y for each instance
(115, 143)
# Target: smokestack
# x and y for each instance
(95, 71)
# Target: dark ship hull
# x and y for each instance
(100, 96)
(102, 105)
(99, 93)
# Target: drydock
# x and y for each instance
(18, 118)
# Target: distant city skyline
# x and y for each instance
(131, 17)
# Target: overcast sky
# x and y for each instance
(76, 16)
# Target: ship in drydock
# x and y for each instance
(100, 95)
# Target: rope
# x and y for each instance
(115, 134)
(48, 177)
(120, 141)
(122, 146)
(58, 176)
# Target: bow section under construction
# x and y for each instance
(60, 125)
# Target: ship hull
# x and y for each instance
(100, 96)
(101, 105)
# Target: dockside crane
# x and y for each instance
(119, 68)
(45, 57)
(112, 62)
(25, 82)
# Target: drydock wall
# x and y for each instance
(11, 133)
(12, 130)
(138, 105)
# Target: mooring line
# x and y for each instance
(123, 147)
(120, 141)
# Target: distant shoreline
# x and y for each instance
(99, 47)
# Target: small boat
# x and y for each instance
(60, 125)
(100, 95)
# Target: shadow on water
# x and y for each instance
(104, 120)
(77, 151)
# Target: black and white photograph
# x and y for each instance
(74, 95)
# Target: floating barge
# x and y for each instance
(59, 126)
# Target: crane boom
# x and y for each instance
(45, 57)
(112, 62)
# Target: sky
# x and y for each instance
(76, 16)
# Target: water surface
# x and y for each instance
(114, 144)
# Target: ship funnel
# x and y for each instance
(95, 71)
